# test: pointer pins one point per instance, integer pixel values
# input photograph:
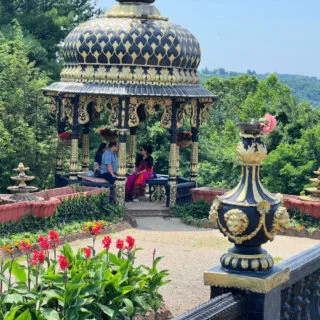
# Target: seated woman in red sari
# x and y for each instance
(136, 183)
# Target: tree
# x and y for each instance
(45, 24)
(288, 168)
(27, 130)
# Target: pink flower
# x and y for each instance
(63, 262)
(87, 252)
(106, 242)
(270, 125)
(43, 243)
(130, 242)
(37, 257)
(54, 237)
(120, 244)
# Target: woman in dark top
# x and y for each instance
(136, 183)
(98, 158)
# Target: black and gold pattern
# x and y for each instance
(121, 47)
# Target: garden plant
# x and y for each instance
(78, 285)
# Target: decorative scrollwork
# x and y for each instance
(281, 220)
(53, 106)
(157, 193)
(84, 116)
(114, 108)
(205, 112)
(214, 210)
(67, 110)
(263, 207)
(237, 221)
(167, 114)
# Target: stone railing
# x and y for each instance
(300, 296)
(224, 307)
(297, 298)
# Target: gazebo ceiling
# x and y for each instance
(131, 50)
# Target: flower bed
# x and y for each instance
(67, 217)
(52, 198)
(82, 285)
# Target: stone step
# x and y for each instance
(148, 213)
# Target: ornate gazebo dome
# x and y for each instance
(131, 46)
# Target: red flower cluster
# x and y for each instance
(106, 242)
(54, 237)
(120, 244)
(24, 246)
(63, 262)
(185, 135)
(131, 242)
(43, 243)
(96, 229)
(87, 252)
(67, 135)
(37, 258)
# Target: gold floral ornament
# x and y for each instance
(214, 210)
(263, 207)
(281, 220)
(237, 222)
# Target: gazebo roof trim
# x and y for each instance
(116, 89)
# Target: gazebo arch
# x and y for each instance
(129, 57)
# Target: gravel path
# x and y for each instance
(188, 252)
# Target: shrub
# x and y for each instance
(197, 210)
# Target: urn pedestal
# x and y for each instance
(249, 215)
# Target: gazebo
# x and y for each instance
(130, 60)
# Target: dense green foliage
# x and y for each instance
(301, 219)
(27, 131)
(105, 286)
(303, 87)
(77, 210)
(194, 211)
(45, 24)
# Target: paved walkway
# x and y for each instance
(188, 252)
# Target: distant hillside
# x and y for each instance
(303, 87)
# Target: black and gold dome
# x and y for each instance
(131, 48)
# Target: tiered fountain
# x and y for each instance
(314, 193)
(22, 191)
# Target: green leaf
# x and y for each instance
(72, 314)
(19, 272)
(126, 289)
(129, 306)
(11, 314)
(50, 314)
(25, 315)
(13, 298)
(106, 310)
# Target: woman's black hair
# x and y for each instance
(112, 144)
(101, 147)
(148, 148)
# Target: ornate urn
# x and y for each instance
(249, 215)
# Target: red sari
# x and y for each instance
(136, 183)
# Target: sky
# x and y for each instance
(267, 36)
